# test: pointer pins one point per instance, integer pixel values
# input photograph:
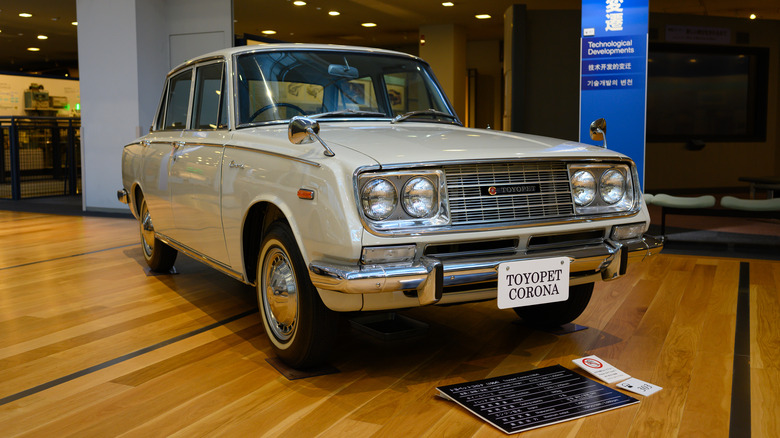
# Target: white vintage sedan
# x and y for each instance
(339, 179)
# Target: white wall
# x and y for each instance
(124, 52)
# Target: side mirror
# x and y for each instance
(302, 130)
(598, 131)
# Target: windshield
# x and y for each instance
(276, 86)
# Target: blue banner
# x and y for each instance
(613, 74)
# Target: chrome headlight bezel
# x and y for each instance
(606, 202)
(401, 218)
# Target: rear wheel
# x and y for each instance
(159, 256)
(301, 329)
(559, 313)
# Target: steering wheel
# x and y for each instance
(275, 105)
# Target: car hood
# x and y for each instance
(413, 142)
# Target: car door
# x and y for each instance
(159, 146)
(196, 168)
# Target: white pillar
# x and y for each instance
(125, 49)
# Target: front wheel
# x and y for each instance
(301, 329)
(159, 256)
(559, 313)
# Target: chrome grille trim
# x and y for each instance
(469, 206)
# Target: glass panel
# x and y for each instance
(408, 91)
(178, 101)
(208, 84)
(275, 86)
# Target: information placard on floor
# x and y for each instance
(532, 399)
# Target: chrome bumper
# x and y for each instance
(123, 196)
(430, 275)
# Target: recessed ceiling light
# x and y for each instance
(299, 3)
(752, 16)
(75, 23)
(448, 4)
(43, 37)
(268, 32)
(25, 15)
(368, 24)
(334, 13)
(33, 49)
(482, 16)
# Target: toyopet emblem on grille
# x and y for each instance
(507, 192)
(511, 190)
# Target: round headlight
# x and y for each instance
(583, 186)
(613, 186)
(378, 198)
(419, 197)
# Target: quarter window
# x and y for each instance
(178, 101)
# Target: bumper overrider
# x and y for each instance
(429, 275)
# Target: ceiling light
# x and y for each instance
(43, 37)
(482, 16)
(75, 23)
(33, 49)
(448, 4)
(299, 3)
(25, 15)
(368, 24)
(752, 16)
(334, 13)
(268, 32)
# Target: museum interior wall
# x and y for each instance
(128, 87)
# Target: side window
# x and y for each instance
(178, 101)
(158, 122)
(208, 90)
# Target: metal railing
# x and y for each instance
(39, 156)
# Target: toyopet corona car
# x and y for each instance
(340, 179)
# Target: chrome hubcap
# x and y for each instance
(280, 294)
(147, 231)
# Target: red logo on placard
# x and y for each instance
(492, 191)
(591, 363)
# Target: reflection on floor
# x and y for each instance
(91, 346)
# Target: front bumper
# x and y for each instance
(430, 275)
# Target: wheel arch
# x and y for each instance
(258, 218)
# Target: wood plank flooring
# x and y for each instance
(91, 346)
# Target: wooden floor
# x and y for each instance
(90, 346)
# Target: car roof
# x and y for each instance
(229, 52)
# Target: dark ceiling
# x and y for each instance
(398, 23)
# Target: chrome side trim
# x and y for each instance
(189, 252)
(429, 275)
(274, 154)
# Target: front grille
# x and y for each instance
(469, 204)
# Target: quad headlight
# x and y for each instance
(602, 188)
(403, 199)
(419, 197)
(378, 198)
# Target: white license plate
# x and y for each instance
(531, 282)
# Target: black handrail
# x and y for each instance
(43, 172)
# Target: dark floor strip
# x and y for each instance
(120, 359)
(739, 423)
(67, 256)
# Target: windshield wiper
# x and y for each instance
(348, 113)
(428, 112)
